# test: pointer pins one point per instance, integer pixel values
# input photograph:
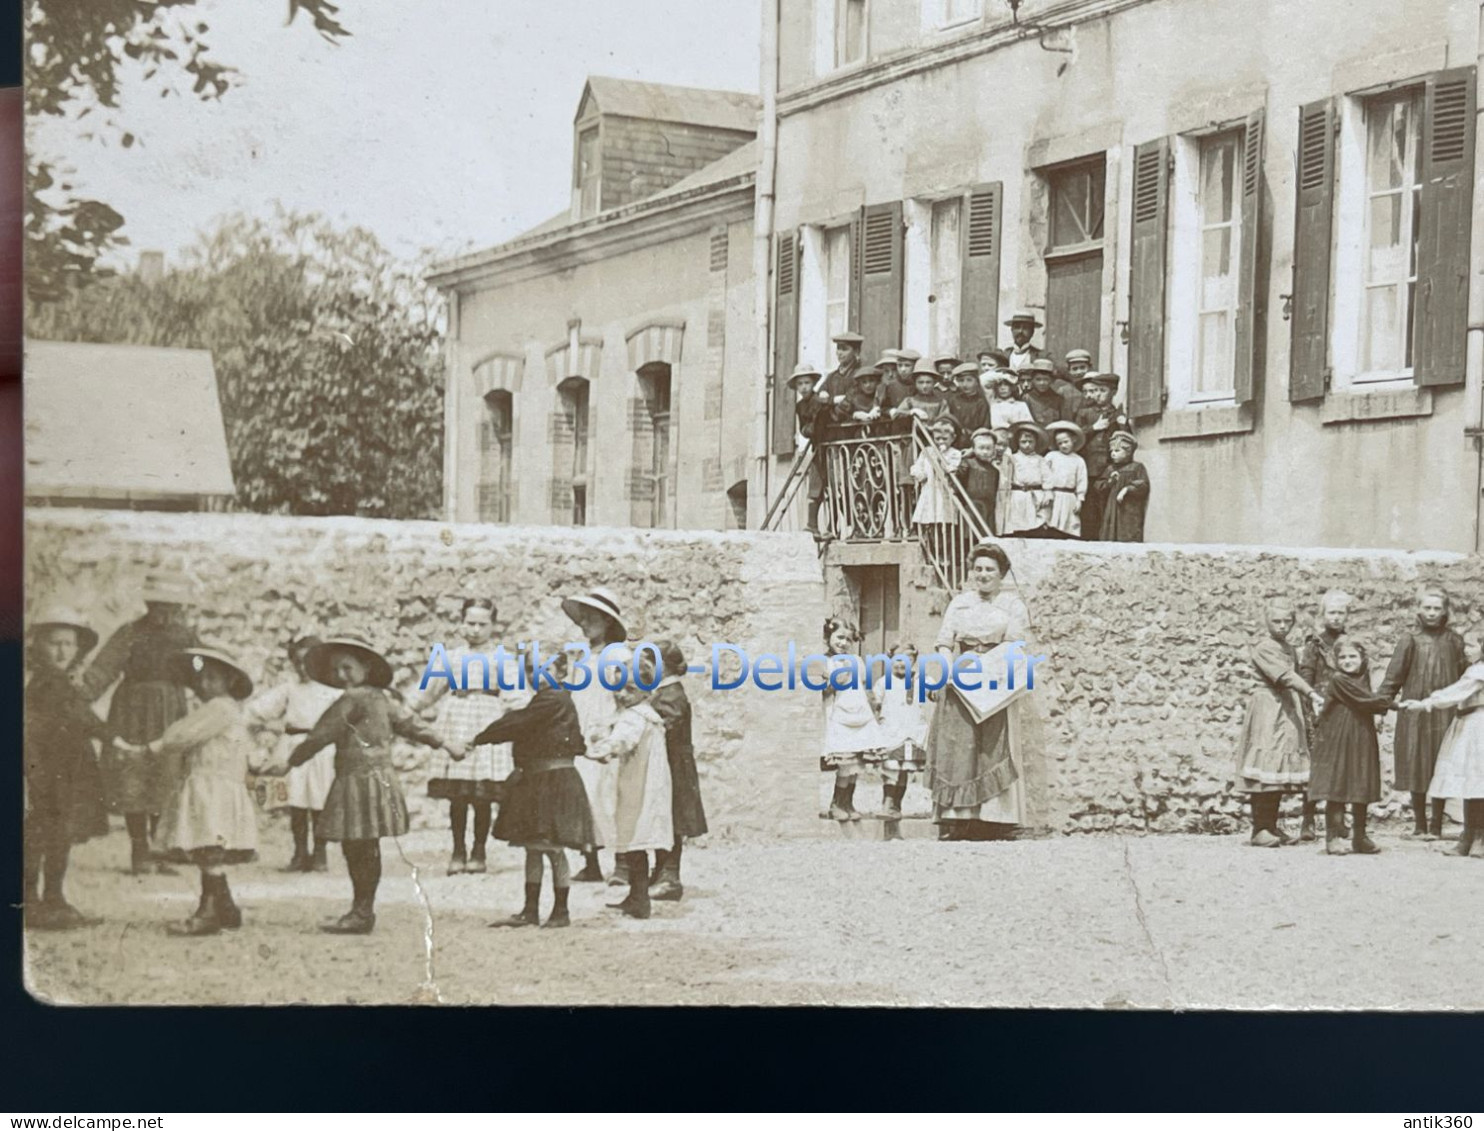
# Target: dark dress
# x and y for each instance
(1346, 762)
(1118, 522)
(971, 411)
(64, 790)
(144, 704)
(545, 804)
(981, 480)
(1425, 660)
(1316, 664)
(673, 707)
(1095, 455)
(365, 801)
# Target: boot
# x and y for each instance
(528, 916)
(138, 858)
(839, 802)
(661, 858)
(298, 862)
(317, 861)
(591, 872)
(227, 911)
(667, 889)
(636, 903)
(204, 920)
(1306, 827)
(477, 863)
(1334, 843)
(359, 920)
(559, 916)
(811, 523)
(620, 877)
(1361, 843)
(458, 863)
(1435, 826)
(1419, 816)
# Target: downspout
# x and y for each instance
(1474, 357)
(762, 261)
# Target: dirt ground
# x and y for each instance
(1100, 922)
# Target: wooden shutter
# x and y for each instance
(881, 279)
(1146, 284)
(1313, 224)
(1249, 281)
(979, 290)
(785, 339)
(853, 299)
(1440, 317)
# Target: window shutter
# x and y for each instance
(785, 339)
(979, 292)
(1440, 319)
(1313, 223)
(1146, 284)
(881, 279)
(853, 299)
(1249, 343)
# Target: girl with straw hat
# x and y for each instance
(365, 802)
(64, 792)
(596, 614)
(1066, 478)
(146, 701)
(1030, 502)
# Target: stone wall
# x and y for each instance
(264, 580)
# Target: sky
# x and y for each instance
(438, 123)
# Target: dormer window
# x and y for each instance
(587, 181)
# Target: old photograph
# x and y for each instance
(755, 502)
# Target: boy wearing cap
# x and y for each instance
(1098, 418)
(1123, 488)
(1045, 403)
(926, 403)
(967, 402)
(847, 360)
(860, 410)
(896, 380)
(1023, 326)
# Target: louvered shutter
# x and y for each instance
(1440, 319)
(1249, 344)
(853, 299)
(979, 294)
(785, 339)
(1313, 224)
(881, 279)
(1146, 285)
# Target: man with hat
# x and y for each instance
(1098, 418)
(1023, 326)
(1045, 403)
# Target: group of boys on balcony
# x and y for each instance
(1041, 451)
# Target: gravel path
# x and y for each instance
(1101, 922)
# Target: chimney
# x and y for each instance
(151, 266)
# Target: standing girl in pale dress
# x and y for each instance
(1273, 749)
(852, 726)
(475, 782)
(596, 614)
(299, 703)
(934, 496)
(904, 729)
(1066, 478)
(1030, 502)
(1460, 769)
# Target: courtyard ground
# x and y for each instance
(1092, 921)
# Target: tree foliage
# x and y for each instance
(327, 354)
(77, 55)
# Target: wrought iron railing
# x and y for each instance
(868, 488)
(946, 545)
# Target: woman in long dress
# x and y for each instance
(1459, 774)
(975, 770)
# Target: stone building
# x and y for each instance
(602, 366)
(1264, 218)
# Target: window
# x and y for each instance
(839, 34)
(1077, 198)
(837, 283)
(1393, 194)
(495, 457)
(937, 14)
(588, 180)
(946, 273)
(1074, 256)
(572, 397)
(654, 381)
(1219, 209)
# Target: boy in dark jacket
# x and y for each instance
(1122, 491)
(967, 402)
(980, 474)
(1099, 418)
(673, 707)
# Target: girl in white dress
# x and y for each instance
(1460, 770)
(852, 726)
(1030, 502)
(1066, 477)
(934, 497)
(904, 727)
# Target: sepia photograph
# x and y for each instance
(895, 503)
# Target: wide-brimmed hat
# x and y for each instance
(1079, 355)
(804, 369)
(948, 357)
(968, 368)
(924, 368)
(603, 601)
(319, 661)
(849, 338)
(1109, 380)
(167, 587)
(1042, 439)
(1041, 365)
(1121, 434)
(911, 357)
(1078, 436)
(871, 371)
(1022, 316)
(65, 616)
(888, 357)
(189, 662)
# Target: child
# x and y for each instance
(934, 502)
(904, 730)
(859, 410)
(967, 402)
(944, 365)
(1066, 478)
(925, 404)
(596, 615)
(979, 472)
(1460, 769)
(643, 811)
(1030, 502)
(851, 726)
(1347, 759)
(545, 809)
(688, 814)
(991, 360)
(145, 702)
(1317, 665)
(209, 820)
(1099, 418)
(1427, 660)
(299, 703)
(896, 380)
(1005, 463)
(1044, 402)
(64, 790)
(365, 801)
(1272, 750)
(1006, 409)
(477, 781)
(1121, 494)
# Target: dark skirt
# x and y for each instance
(365, 801)
(686, 810)
(140, 712)
(66, 799)
(452, 789)
(1346, 763)
(968, 763)
(209, 857)
(547, 809)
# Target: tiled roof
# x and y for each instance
(720, 109)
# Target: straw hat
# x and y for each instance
(65, 616)
(601, 599)
(189, 662)
(1078, 436)
(1023, 316)
(804, 369)
(888, 360)
(167, 587)
(1041, 365)
(319, 661)
(924, 368)
(1042, 440)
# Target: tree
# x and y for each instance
(327, 354)
(76, 52)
